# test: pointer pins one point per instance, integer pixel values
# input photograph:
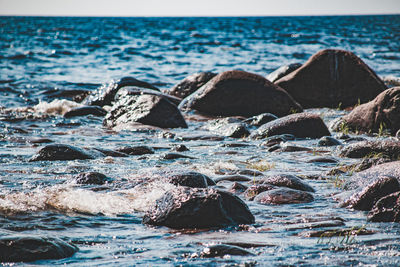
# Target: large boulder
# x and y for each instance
(145, 109)
(239, 93)
(387, 209)
(282, 71)
(105, 94)
(382, 113)
(190, 84)
(186, 207)
(332, 78)
(32, 248)
(377, 148)
(301, 125)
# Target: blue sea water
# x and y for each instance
(42, 57)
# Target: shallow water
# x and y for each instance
(44, 57)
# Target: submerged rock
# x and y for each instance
(260, 119)
(382, 113)
(186, 207)
(86, 110)
(284, 196)
(191, 83)
(171, 155)
(33, 248)
(146, 109)
(221, 250)
(61, 152)
(91, 178)
(288, 180)
(386, 148)
(190, 179)
(105, 95)
(282, 71)
(387, 209)
(239, 93)
(136, 150)
(329, 141)
(301, 125)
(229, 127)
(332, 78)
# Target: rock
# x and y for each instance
(288, 148)
(61, 152)
(237, 188)
(277, 139)
(387, 209)
(229, 127)
(190, 179)
(222, 250)
(288, 180)
(197, 137)
(105, 94)
(111, 153)
(186, 207)
(301, 125)
(371, 193)
(282, 71)
(172, 155)
(377, 148)
(145, 109)
(239, 93)
(131, 90)
(332, 78)
(85, 110)
(382, 113)
(180, 148)
(91, 178)
(31, 248)
(260, 119)
(323, 160)
(284, 196)
(329, 141)
(233, 178)
(255, 190)
(190, 84)
(135, 150)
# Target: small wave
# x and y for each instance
(55, 107)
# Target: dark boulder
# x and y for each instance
(382, 113)
(186, 207)
(367, 196)
(190, 179)
(132, 91)
(329, 141)
(180, 148)
(135, 150)
(61, 152)
(282, 71)
(301, 125)
(85, 110)
(255, 190)
(105, 94)
(229, 127)
(221, 250)
(145, 109)
(386, 148)
(190, 84)
(332, 78)
(239, 93)
(260, 119)
(33, 248)
(284, 196)
(288, 180)
(387, 209)
(171, 155)
(91, 178)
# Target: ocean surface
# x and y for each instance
(44, 60)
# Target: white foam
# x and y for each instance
(55, 107)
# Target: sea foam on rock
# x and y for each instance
(240, 93)
(332, 78)
(301, 125)
(186, 207)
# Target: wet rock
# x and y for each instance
(284, 196)
(186, 207)
(91, 178)
(105, 94)
(86, 110)
(76, 95)
(288, 180)
(289, 148)
(61, 152)
(329, 141)
(378, 115)
(387, 209)
(40, 141)
(260, 119)
(255, 190)
(222, 250)
(199, 137)
(190, 84)
(145, 109)
(190, 179)
(378, 148)
(237, 188)
(354, 231)
(132, 91)
(332, 78)
(171, 155)
(233, 178)
(229, 127)
(111, 153)
(135, 150)
(301, 125)
(371, 193)
(323, 160)
(239, 93)
(32, 248)
(282, 71)
(249, 172)
(277, 139)
(180, 148)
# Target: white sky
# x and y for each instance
(197, 7)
